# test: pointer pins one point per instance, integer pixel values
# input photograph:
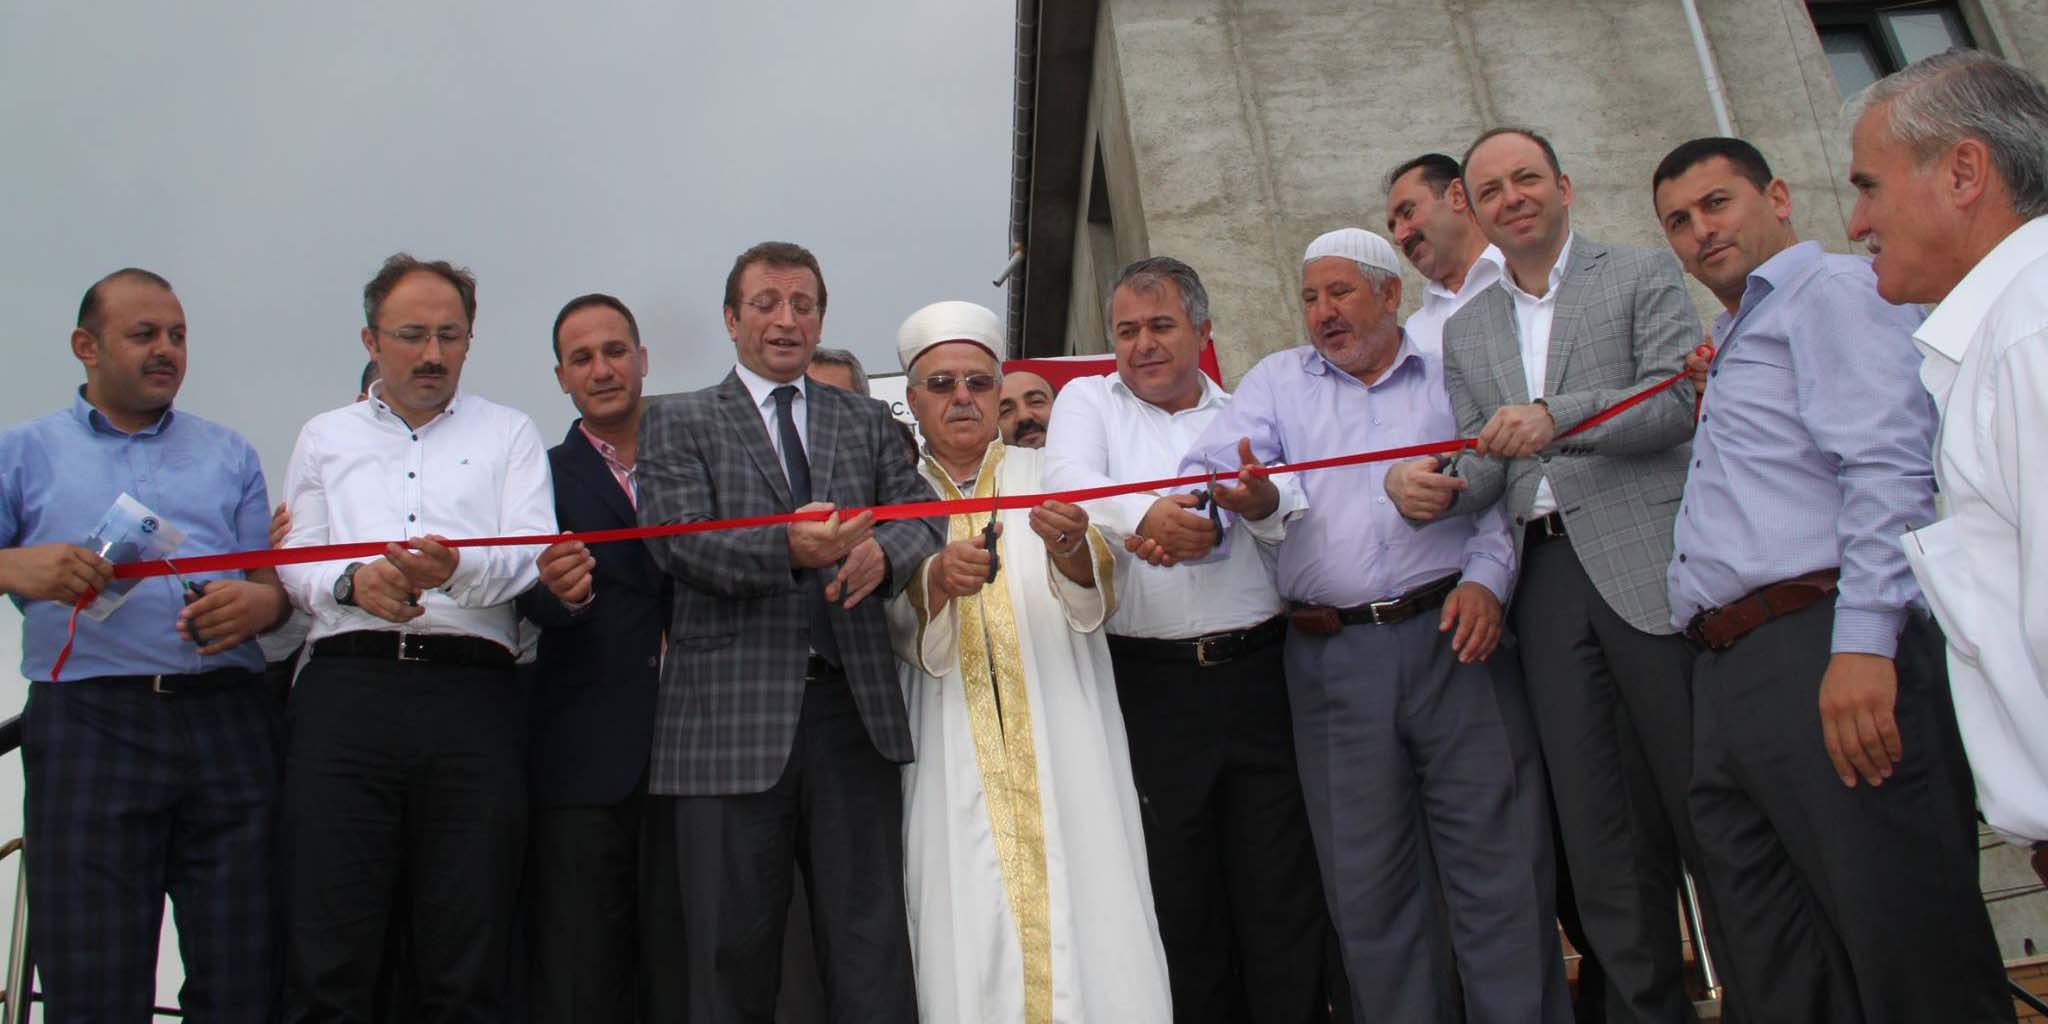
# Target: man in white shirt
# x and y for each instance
(1430, 219)
(1198, 659)
(408, 746)
(1952, 199)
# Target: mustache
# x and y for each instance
(430, 369)
(960, 413)
(1029, 424)
(159, 364)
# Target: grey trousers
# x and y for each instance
(1389, 730)
(1613, 709)
(1845, 905)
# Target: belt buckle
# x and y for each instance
(405, 652)
(1381, 609)
(156, 686)
(1202, 657)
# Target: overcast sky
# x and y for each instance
(266, 158)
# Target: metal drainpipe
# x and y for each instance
(1025, 103)
(1716, 93)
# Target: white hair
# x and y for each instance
(1969, 94)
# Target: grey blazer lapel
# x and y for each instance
(1567, 322)
(744, 417)
(1498, 307)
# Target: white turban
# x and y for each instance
(943, 322)
(1354, 244)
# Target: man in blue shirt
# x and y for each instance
(153, 767)
(1829, 793)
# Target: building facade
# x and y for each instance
(1229, 133)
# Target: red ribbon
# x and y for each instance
(271, 558)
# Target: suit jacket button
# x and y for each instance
(653, 662)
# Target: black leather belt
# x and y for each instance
(1550, 527)
(172, 685)
(1323, 620)
(427, 648)
(1206, 650)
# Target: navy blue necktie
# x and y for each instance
(799, 470)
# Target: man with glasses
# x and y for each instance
(1026, 860)
(779, 722)
(407, 756)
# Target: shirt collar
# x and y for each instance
(1770, 276)
(1211, 394)
(95, 420)
(1953, 324)
(763, 390)
(1557, 271)
(1484, 271)
(605, 449)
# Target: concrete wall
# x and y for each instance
(1236, 130)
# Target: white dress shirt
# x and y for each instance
(763, 391)
(360, 473)
(1984, 565)
(1425, 326)
(1533, 316)
(1103, 433)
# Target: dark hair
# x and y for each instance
(773, 254)
(89, 307)
(399, 265)
(1148, 274)
(843, 357)
(370, 376)
(594, 299)
(1549, 151)
(1438, 171)
(1741, 155)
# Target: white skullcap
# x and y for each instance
(1354, 244)
(942, 322)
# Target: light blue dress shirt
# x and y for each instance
(59, 475)
(1349, 546)
(1814, 449)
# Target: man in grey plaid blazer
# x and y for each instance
(780, 723)
(1572, 327)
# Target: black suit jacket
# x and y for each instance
(597, 670)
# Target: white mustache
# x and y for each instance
(963, 412)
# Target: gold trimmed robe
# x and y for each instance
(1029, 898)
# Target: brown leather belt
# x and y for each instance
(1323, 620)
(1717, 629)
(170, 685)
(1207, 650)
(428, 648)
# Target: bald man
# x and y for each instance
(1025, 409)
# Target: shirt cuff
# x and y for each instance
(1272, 530)
(1489, 574)
(1867, 631)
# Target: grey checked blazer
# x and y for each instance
(733, 683)
(1623, 322)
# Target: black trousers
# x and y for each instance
(131, 795)
(1842, 904)
(402, 769)
(837, 812)
(1613, 710)
(583, 901)
(1233, 866)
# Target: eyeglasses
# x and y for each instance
(419, 335)
(944, 383)
(801, 305)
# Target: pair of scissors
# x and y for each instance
(1205, 498)
(988, 535)
(193, 592)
